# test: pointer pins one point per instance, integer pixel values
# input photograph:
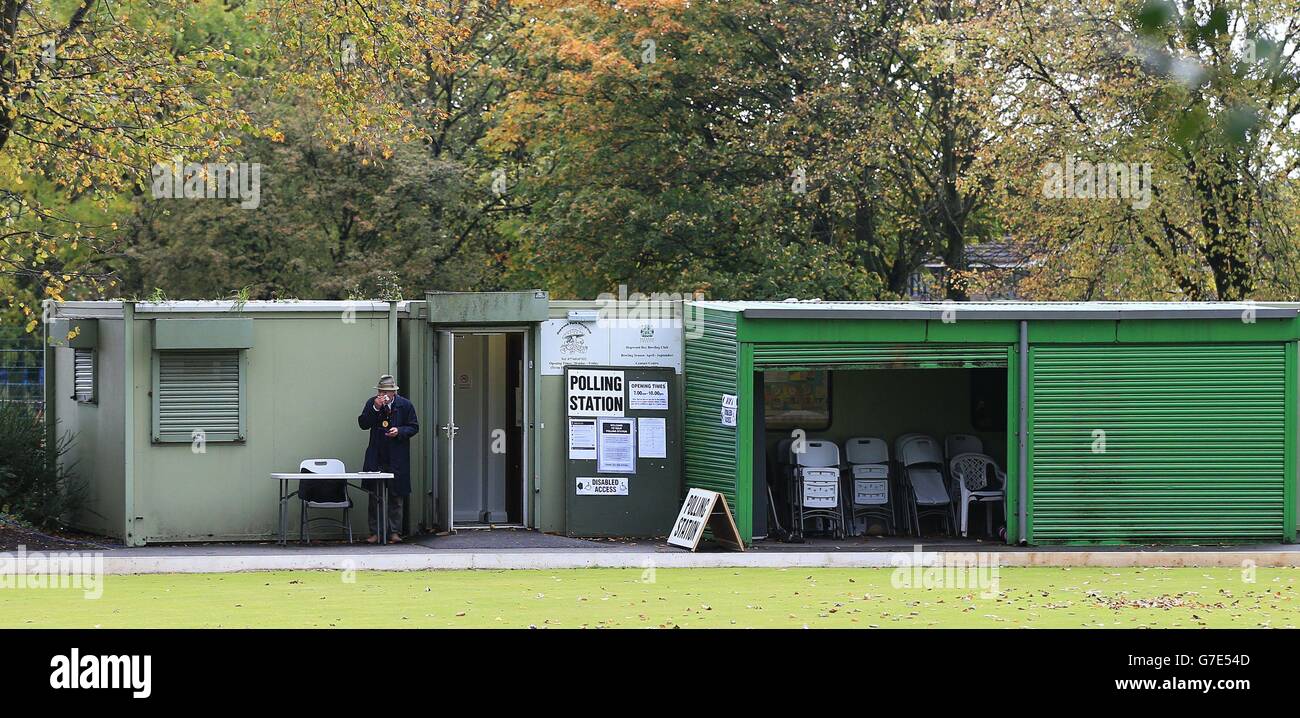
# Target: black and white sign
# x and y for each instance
(596, 392)
(616, 446)
(728, 409)
(646, 345)
(567, 343)
(691, 520)
(602, 486)
(652, 395)
(582, 439)
(703, 509)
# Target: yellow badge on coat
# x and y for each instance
(385, 423)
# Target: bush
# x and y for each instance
(35, 486)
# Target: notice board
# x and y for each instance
(623, 450)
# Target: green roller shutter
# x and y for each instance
(711, 369)
(850, 355)
(1157, 443)
(198, 391)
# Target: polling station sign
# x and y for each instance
(705, 509)
(596, 392)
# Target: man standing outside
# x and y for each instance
(391, 421)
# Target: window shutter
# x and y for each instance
(1193, 443)
(198, 391)
(83, 374)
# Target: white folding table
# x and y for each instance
(383, 477)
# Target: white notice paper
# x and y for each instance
(651, 395)
(728, 409)
(582, 439)
(653, 439)
(616, 446)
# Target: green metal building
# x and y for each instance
(1116, 423)
(1123, 423)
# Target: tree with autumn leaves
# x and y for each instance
(829, 149)
(746, 148)
(98, 91)
(375, 184)
(91, 94)
(1207, 94)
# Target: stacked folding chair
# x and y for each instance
(868, 475)
(922, 462)
(815, 487)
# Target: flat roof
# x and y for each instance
(811, 309)
(112, 308)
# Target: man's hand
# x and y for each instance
(380, 401)
(392, 432)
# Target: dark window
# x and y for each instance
(797, 400)
(988, 399)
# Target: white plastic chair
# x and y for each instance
(323, 494)
(868, 460)
(923, 466)
(816, 486)
(970, 474)
(962, 444)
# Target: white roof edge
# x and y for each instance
(226, 306)
(311, 305)
(87, 310)
(1006, 310)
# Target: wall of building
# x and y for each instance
(413, 351)
(550, 499)
(885, 403)
(97, 452)
(308, 375)
(307, 378)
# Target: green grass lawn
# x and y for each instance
(629, 598)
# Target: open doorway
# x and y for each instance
(960, 409)
(482, 427)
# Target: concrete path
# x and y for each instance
(513, 549)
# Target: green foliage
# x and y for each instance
(1206, 93)
(92, 93)
(330, 221)
(769, 150)
(751, 148)
(35, 484)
